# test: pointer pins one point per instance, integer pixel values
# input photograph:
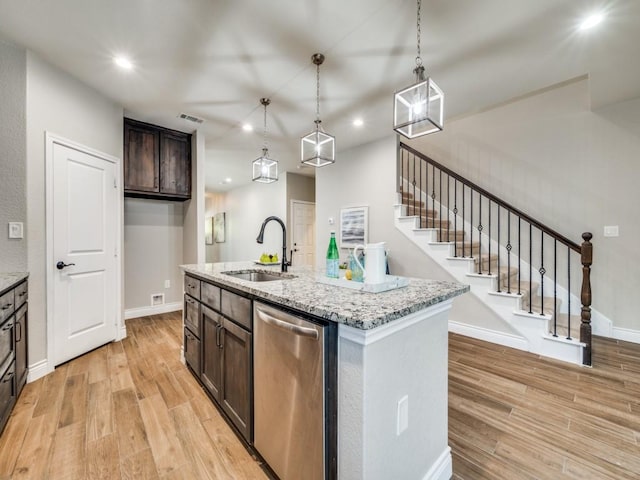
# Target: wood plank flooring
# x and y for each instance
(128, 410)
(131, 410)
(514, 415)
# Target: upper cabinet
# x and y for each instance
(157, 162)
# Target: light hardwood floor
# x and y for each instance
(128, 410)
(131, 410)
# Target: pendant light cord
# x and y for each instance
(418, 58)
(318, 93)
(264, 144)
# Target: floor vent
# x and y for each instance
(190, 118)
(157, 299)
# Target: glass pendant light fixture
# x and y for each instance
(418, 109)
(318, 148)
(265, 169)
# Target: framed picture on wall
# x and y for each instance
(218, 227)
(354, 226)
(208, 231)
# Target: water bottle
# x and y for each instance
(333, 258)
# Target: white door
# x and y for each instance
(303, 215)
(82, 213)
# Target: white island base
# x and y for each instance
(378, 368)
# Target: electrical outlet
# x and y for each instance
(157, 299)
(331, 221)
(611, 231)
(167, 284)
(403, 415)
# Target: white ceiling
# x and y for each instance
(215, 59)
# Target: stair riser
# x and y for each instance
(450, 236)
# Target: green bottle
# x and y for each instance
(333, 258)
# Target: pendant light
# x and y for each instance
(418, 109)
(265, 169)
(318, 148)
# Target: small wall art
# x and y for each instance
(218, 227)
(354, 226)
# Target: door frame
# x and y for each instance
(292, 229)
(52, 139)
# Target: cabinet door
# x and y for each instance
(141, 158)
(236, 392)
(211, 375)
(175, 164)
(21, 348)
(7, 394)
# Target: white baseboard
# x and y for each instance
(155, 310)
(493, 336)
(626, 334)
(442, 469)
(38, 370)
(122, 332)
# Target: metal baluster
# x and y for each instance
(568, 293)
(464, 225)
(413, 182)
(433, 196)
(479, 232)
(519, 256)
(440, 209)
(542, 272)
(455, 216)
(426, 195)
(530, 269)
(509, 251)
(471, 222)
(449, 208)
(555, 287)
(490, 244)
(420, 190)
(499, 272)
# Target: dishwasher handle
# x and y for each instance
(301, 331)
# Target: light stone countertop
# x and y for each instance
(8, 280)
(342, 305)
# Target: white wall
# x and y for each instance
(13, 145)
(153, 248)
(572, 169)
(60, 104)
(374, 166)
(193, 234)
(246, 209)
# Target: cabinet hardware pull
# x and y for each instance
(8, 305)
(9, 377)
(19, 325)
(7, 328)
(295, 329)
(22, 294)
(218, 328)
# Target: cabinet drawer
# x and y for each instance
(210, 295)
(192, 286)
(21, 294)
(7, 393)
(236, 308)
(7, 305)
(192, 351)
(192, 314)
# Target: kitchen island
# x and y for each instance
(391, 365)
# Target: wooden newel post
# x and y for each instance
(585, 296)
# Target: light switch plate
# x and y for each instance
(16, 230)
(402, 415)
(611, 231)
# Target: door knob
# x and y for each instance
(60, 265)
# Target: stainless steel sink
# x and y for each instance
(258, 275)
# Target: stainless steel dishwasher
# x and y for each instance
(289, 367)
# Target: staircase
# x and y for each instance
(522, 270)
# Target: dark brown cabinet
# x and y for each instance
(191, 316)
(157, 162)
(13, 347)
(226, 349)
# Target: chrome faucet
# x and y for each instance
(260, 239)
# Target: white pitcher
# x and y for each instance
(375, 265)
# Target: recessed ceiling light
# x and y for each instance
(123, 62)
(591, 21)
(247, 127)
(358, 122)
(228, 180)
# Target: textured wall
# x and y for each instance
(13, 155)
